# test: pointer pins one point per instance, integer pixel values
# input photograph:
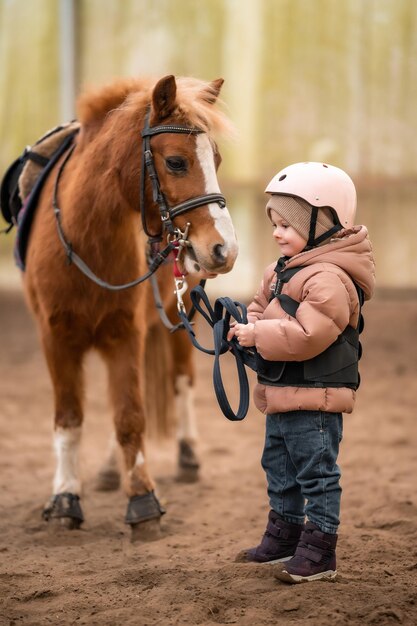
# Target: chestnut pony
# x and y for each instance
(96, 191)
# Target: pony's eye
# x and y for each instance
(176, 164)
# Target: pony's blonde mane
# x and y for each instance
(194, 103)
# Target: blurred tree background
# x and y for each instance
(331, 80)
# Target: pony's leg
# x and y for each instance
(183, 367)
(108, 478)
(123, 356)
(64, 355)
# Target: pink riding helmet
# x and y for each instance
(321, 185)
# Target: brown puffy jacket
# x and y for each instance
(328, 303)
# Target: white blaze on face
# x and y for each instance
(67, 445)
(221, 216)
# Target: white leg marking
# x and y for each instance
(184, 399)
(67, 444)
(222, 220)
(140, 459)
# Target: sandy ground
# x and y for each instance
(96, 576)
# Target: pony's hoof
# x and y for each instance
(146, 531)
(107, 480)
(64, 511)
(64, 523)
(188, 463)
(144, 515)
(143, 508)
(188, 474)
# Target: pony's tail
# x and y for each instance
(159, 385)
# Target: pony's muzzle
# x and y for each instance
(222, 258)
(218, 260)
(219, 254)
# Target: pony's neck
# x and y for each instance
(96, 215)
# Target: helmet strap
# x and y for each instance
(312, 241)
(313, 222)
(328, 234)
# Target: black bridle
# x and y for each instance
(167, 214)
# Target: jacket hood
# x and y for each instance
(351, 250)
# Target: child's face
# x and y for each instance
(288, 239)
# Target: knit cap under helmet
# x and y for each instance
(297, 213)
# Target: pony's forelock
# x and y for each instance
(193, 98)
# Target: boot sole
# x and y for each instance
(286, 577)
(286, 558)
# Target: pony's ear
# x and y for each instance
(211, 94)
(163, 97)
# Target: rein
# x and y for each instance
(72, 257)
(219, 317)
(176, 238)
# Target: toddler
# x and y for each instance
(304, 322)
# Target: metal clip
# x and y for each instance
(181, 287)
(180, 237)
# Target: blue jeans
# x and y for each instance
(299, 459)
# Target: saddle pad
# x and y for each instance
(33, 175)
(46, 146)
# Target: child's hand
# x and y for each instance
(245, 334)
(231, 332)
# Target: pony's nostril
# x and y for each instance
(218, 253)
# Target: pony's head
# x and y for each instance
(185, 162)
(186, 165)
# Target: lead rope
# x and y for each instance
(180, 304)
(219, 319)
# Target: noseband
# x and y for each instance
(167, 213)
